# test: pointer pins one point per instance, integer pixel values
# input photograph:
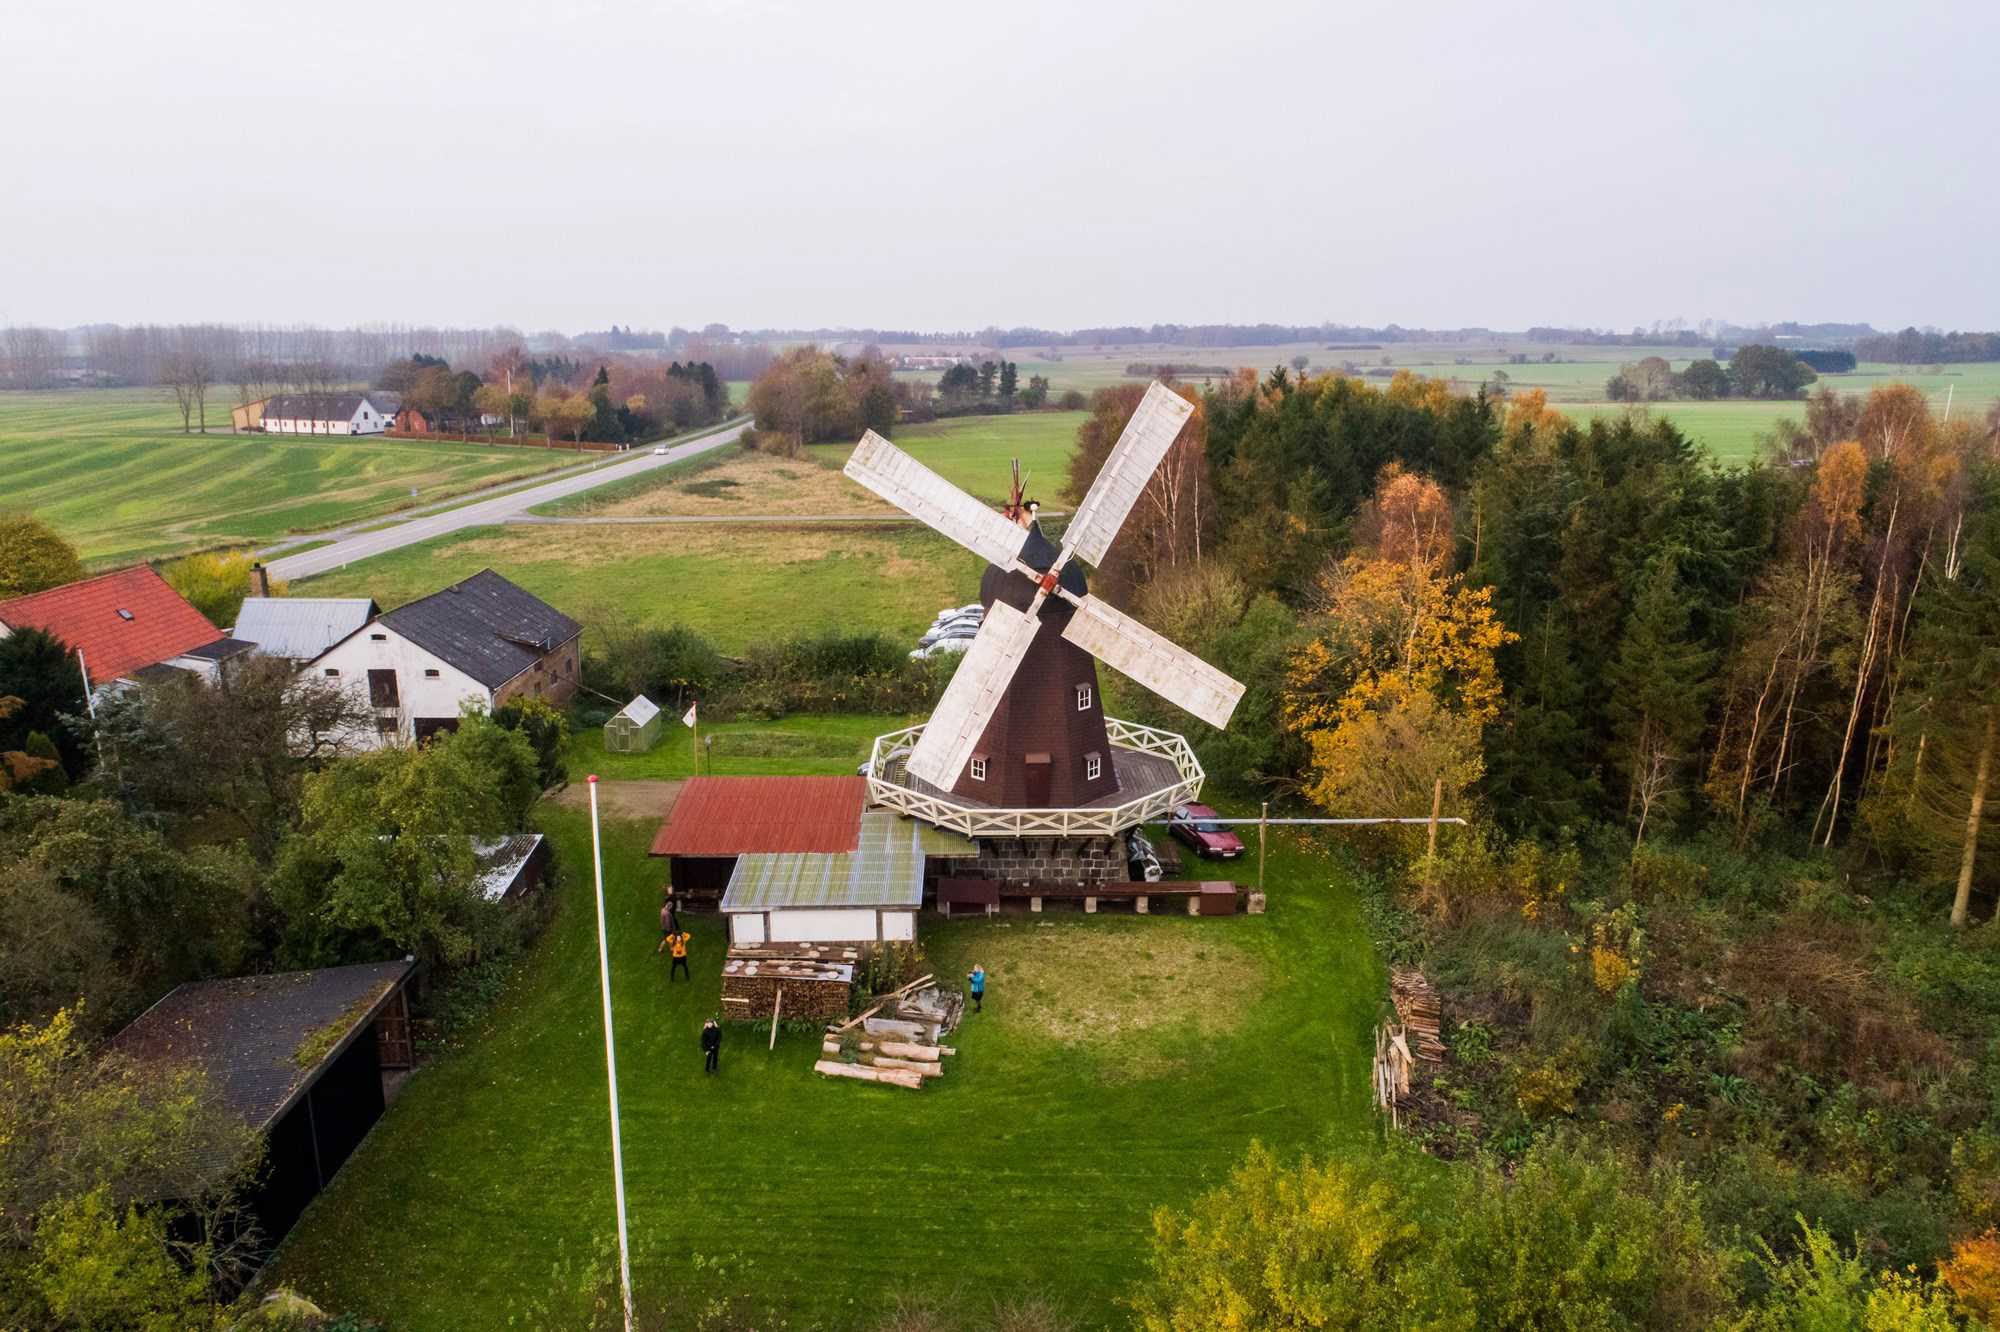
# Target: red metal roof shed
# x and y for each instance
(732, 816)
(123, 621)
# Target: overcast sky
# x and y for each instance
(947, 166)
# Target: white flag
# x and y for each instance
(688, 720)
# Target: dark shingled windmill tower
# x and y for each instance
(1036, 750)
(1019, 752)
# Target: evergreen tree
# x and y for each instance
(1658, 704)
(1541, 765)
(1009, 380)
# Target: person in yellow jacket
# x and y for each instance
(678, 945)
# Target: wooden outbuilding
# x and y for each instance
(299, 1057)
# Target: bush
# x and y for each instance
(1572, 1238)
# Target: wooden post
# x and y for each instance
(1431, 850)
(777, 1007)
(1263, 820)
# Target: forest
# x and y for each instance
(1721, 932)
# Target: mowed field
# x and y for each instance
(972, 452)
(1122, 1063)
(737, 585)
(111, 470)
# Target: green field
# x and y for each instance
(1574, 380)
(1122, 1063)
(111, 470)
(973, 452)
(737, 585)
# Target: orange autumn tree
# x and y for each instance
(1391, 690)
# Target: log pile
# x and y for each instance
(815, 990)
(1420, 1012)
(896, 1041)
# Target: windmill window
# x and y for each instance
(979, 767)
(1093, 767)
(379, 638)
(430, 673)
(1083, 698)
(332, 674)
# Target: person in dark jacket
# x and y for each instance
(711, 1044)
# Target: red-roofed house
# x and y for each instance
(123, 622)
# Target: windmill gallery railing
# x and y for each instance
(890, 785)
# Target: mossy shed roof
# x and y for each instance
(263, 1040)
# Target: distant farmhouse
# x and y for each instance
(247, 416)
(127, 625)
(326, 414)
(481, 641)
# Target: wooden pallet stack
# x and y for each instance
(895, 1042)
(1420, 1012)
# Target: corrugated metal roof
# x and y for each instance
(731, 816)
(885, 869)
(640, 710)
(500, 860)
(300, 628)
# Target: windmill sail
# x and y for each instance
(923, 494)
(1148, 435)
(1178, 676)
(984, 672)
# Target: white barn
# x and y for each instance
(326, 414)
(483, 641)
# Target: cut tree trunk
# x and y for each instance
(1961, 902)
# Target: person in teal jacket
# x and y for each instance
(978, 982)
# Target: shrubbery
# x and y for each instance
(832, 672)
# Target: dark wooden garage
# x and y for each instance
(299, 1056)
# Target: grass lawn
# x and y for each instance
(973, 452)
(1122, 1063)
(111, 470)
(737, 585)
(834, 744)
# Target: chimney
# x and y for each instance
(260, 581)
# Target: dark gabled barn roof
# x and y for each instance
(263, 1040)
(317, 406)
(484, 626)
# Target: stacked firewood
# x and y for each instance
(811, 989)
(1420, 1011)
(895, 1041)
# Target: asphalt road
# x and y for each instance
(485, 513)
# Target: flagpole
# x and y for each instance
(610, 1060)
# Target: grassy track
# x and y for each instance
(111, 470)
(1122, 1063)
(738, 585)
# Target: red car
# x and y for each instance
(1196, 825)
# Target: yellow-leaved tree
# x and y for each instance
(1393, 687)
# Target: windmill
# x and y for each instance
(1041, 616)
